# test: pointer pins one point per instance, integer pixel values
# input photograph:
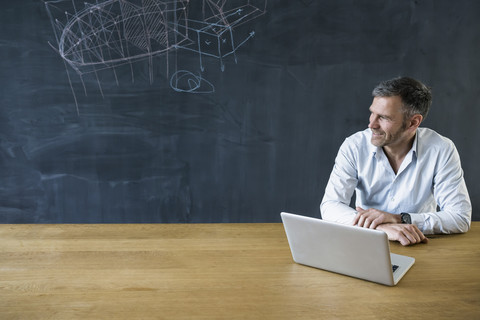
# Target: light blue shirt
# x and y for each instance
(430, 175)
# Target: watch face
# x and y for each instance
(406, 218)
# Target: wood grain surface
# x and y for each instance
(217, 271)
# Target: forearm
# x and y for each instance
(442, 221)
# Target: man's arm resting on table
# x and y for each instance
(372, 218)
(391, 224)
(406, 234)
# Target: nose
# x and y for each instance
(373, 121)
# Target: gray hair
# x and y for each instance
(416, 97)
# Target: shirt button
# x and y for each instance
(393, 199)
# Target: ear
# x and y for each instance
(415, 121)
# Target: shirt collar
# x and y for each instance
(415, 144)
(377, 151)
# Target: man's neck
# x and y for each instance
(396, 153)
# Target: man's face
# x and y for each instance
(387, 121)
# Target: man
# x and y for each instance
(400, 173)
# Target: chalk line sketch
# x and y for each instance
(186, 81)
(108, 34)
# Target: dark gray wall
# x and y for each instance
(263, 142)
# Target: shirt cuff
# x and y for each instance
(418, 220)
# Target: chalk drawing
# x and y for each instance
(186, 81)
(105, 35)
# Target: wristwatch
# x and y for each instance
(405, 218)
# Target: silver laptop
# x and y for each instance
(352, 251)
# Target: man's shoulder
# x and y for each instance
(432, 143)
(360, 137)
(359, 142)
(430, 138)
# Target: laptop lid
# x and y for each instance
(353, 251)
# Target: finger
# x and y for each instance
(375, 224)
(359, 214)
(423, 239)
(358, 217)
(419, 236)
(414, 237)
(371, 223)
(367, 223)
(378, 220)
(403, 240)
(355, 220)
(405, 237)
(361, 221)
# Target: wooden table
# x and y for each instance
(217, 271)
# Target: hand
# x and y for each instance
(406, 234)
(372, 218)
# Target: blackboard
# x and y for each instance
(255, 129)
